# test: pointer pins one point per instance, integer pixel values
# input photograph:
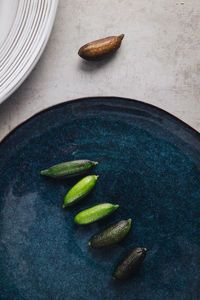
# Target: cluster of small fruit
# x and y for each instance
(112, 235)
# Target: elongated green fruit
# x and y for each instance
(80, 190)
(69, 169)
(95, 213)
(112, 235)
(130, 264)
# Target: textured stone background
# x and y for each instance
(159, 61)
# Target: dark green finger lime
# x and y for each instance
(112, 235)
(130, 264)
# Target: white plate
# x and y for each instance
(25, 26)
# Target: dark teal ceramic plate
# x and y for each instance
(149, 164)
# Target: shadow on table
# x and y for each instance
(91, 66)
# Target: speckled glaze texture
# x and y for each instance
(149, 164)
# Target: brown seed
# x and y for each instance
(101, 48)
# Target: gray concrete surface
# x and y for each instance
(159, 61)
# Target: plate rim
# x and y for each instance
(36, 55)
(190, 128)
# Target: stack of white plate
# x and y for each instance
(25, 26)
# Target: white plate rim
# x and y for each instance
(37, 49)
